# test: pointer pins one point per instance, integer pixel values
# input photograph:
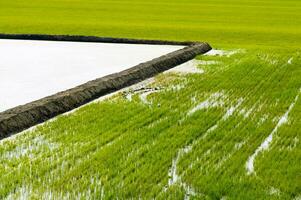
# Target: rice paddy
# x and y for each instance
(223, 126)
(193, 138)
(49, 67)
(223, 24)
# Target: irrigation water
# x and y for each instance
(30, 70)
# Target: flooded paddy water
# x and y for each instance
(30, 70)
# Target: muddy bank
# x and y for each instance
(25, 116)
(79, 38)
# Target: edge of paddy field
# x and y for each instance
(250, 44)
(22, 117)
(143, 87)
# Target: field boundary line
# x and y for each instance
(97, 39)
(25, 116)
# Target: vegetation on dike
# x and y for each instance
(229, 131)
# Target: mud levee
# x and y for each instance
(22, 117)
(78, 38)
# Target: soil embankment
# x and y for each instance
(22, 117)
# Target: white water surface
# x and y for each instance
(30, 70)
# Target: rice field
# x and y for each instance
(222, 23)
(49, 67)
(223, 126)
(230, 132)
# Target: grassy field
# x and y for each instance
(224, 24)
(231, 132)
(193, 137)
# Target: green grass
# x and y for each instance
(124, 149)
(127, 149)
(231, 23)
